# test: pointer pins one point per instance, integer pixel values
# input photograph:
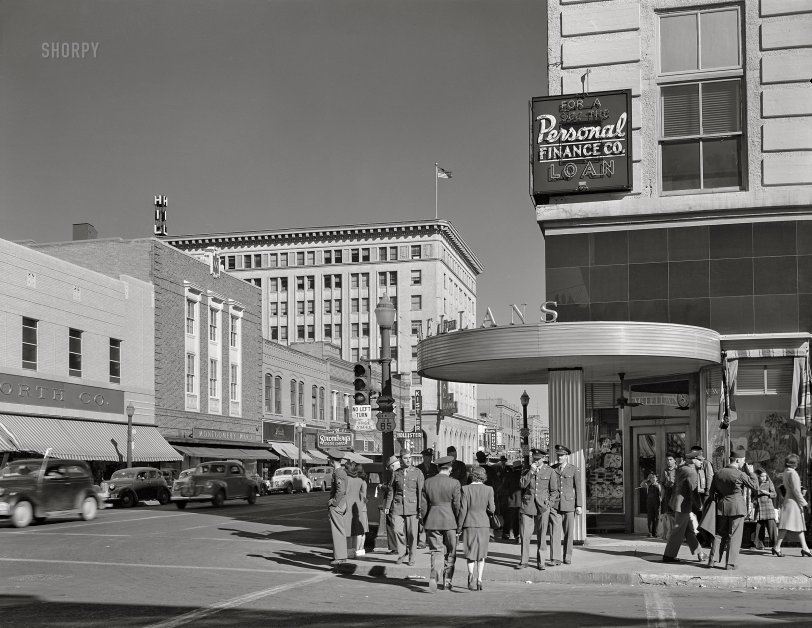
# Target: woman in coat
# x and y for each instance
(792, 514)
(765, 509)
(474, 524)
(357, 523)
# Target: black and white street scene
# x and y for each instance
(446, 313)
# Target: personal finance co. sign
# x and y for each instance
(580, 143)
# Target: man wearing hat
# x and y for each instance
(337, 507)
(442, 494)
(728, 488)
(511, 488)
(429, 470)
(569, 503)
(704, 477)
(684, 500)
(405, 502)
(539, 484)
(458, 470)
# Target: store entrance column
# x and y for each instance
(566, 407)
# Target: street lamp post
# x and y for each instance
(525, 399)
(385, 316)
(300, 428)
(130, 413)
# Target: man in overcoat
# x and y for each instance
(337, 508)
(568, 504)
(442, 496)
(405, 502)
(429, 470)
(727, 489)
(539, 484)
(684, 500)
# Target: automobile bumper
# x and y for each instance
(5, 509)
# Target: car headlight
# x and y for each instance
(208, 485)
(111, 486)
(2, 491)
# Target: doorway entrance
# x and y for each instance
(652, 442)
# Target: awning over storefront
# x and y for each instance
(83, 440)
(317, 456)
(291, 451)
(227, 453)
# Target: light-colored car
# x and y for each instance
(127, 487)
(321, 478)
(290, 479)
(215, 482)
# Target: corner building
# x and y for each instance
(322, 284)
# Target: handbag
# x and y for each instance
(496, 521)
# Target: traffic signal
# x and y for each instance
(361, 383)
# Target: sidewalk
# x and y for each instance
(630, 559)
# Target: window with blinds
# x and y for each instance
(701, 74)
(764, 377)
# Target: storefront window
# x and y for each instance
(604, 463)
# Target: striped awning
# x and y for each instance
(291, 451)
(83, 440)
(227, 453)
(317, 455)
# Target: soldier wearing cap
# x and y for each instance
(337, 507)
(568, 504)
(539, 485)
(458, 470)
(728, 489)
(429, 470)
(684, 500)
(405, 503)
(441, 494)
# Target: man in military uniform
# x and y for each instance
(442, 496)
(458, 470)
(539, 484)
(405, 502)
(337, 508)
(429, 470)
(569, 502)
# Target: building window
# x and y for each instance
(328, 256)
(382, 253)
(365, 255)
(234, 383)
(190, 316)
(300, 257)
(300, 282)
(293, 397)
(416, 379)
(365, 330)
(417, 277)
(393, 253)
(365, 353)
(231, 262)
(328, 306)
(701, 75)
(214, 391)
(354, 354)
(213, 324)
(300, 307)
(417, 251)
(355, 255)
(393, 278)
(115, 361)
(273, 308)
(311, 258)
(365, 305)
(337, 255)
(301, 399)
(74, 353)
(337, 306)
(311, 307)
(354, 306)
(190, 373)
(328, 331)
(283, 308)
(235, 331)
(274, 333)
(354, 330)
(273, 260)
(277, 397)
(417, 327)
(321, 404)
(311, 332)
(381, 279)
(314, 402)
(337, 331)
(417, 302)
(300, 332)
(268, 392)
(30, 343)
(283, 333)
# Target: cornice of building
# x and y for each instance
(311, 235)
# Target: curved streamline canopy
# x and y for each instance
(523, 354)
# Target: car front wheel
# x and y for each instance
(252, 497)
(289, 489)
(22, 515)
(163, 497)
(128, 500)
(306, 488)
(180, 505)
(218, 499)
(89, 508)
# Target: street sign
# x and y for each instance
(362, 413)
(386, 421)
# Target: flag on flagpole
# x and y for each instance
(443, 173)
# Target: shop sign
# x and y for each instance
(327, 440)
(580, 143)
(201, 433)
(518, 314)
(278, 431)
(411, 443)
(490, 439)
(47, 393)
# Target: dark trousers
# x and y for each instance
(683, 529)
(339, 533)
(731, 528)
(512, 522)
(406, 535)
(391, 540)
(772, 531)
(539, 525)
(653, 516)
(442, 543)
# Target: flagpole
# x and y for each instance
(436, 176)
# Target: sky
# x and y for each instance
(265, 114)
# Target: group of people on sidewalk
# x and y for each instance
(716, 503)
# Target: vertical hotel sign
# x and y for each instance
(579, 144)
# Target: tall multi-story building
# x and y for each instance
(322, 284)
(506, 418)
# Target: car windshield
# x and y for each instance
(18, 469)
(212, 468)
(283, 472)
(122, 473)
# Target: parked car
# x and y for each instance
(215, 482)
(31, 490)
(127, 487)
(289, 479)
(170, 475)
(321, 478)
(264, 485)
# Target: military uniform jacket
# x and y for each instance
(685, 497)
(428, 471)
(569, 488)
(338, 491)
(728, 490)
(539, 490)
(406, 496)
(441, 494)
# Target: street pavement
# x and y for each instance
(612, 559)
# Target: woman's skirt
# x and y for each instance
(475, 542)
(792, 517)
